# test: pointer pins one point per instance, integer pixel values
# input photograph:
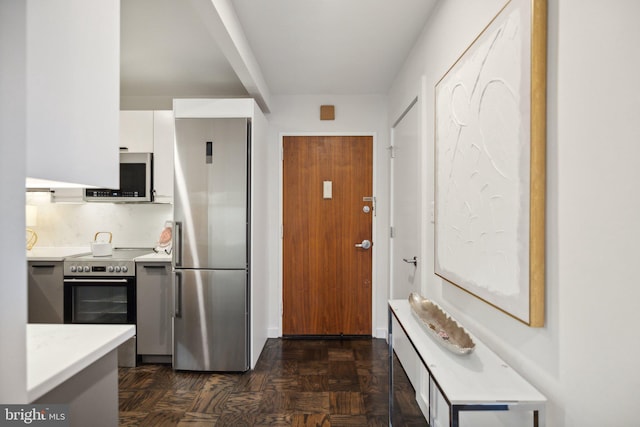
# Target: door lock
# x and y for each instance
(366, 244)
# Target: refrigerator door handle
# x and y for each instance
(209, 152)
(178, 295)
(178, 254)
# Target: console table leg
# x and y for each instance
(454, 415)
(390, 341)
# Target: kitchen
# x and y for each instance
(554, 358)
(129, 279)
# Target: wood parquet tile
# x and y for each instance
(304, 383)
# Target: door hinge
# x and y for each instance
(392, 151)
(281, 231)
(282, 154)
(391, 232)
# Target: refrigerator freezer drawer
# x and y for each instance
(210, 327)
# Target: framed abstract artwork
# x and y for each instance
(490, 131)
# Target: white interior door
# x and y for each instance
(406, 262)
(405, 205)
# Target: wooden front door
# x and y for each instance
(326, 278)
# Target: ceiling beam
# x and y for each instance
(221, 20)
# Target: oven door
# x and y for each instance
(100, 300)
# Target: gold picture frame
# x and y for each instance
(490, 137)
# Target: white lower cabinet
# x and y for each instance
(154, 310)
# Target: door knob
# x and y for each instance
(413, 261)
(366, 244)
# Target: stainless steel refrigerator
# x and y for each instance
(211, 235)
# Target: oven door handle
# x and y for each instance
(95, 280)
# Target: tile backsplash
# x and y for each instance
(132, 225)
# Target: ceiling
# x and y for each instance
(166, 50)
(300, 46)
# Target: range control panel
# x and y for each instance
(99, 268)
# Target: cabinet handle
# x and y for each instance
(156, 267)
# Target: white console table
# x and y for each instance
(478, 381)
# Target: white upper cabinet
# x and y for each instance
(151, 132)
(136, 131)
(163, 139)
(73, 90)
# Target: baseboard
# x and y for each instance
(273, 333)
(327, 337)
(276, 333)
(156, 358)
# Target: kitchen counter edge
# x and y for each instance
(154, 257)
(55, 253)
(57, 352)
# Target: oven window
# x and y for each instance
(99, 304)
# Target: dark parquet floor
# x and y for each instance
(295, 383)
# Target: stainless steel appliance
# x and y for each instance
(136, 181)
(102, 289)
(211, 235)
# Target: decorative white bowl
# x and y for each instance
(444, 329)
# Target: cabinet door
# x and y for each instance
(46, 292)
(136, 131)
(73, 91)
(153, 283)
(163, 139)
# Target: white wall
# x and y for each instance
(259, 234)
(354, 114)
(584, 359)
(13, 274)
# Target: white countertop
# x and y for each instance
(60, 253)
(154, 257)
(56, 353)
(55, 253)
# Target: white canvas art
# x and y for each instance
(483, 157)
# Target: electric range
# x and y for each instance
(102, 290)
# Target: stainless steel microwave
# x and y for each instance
(136, 181)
